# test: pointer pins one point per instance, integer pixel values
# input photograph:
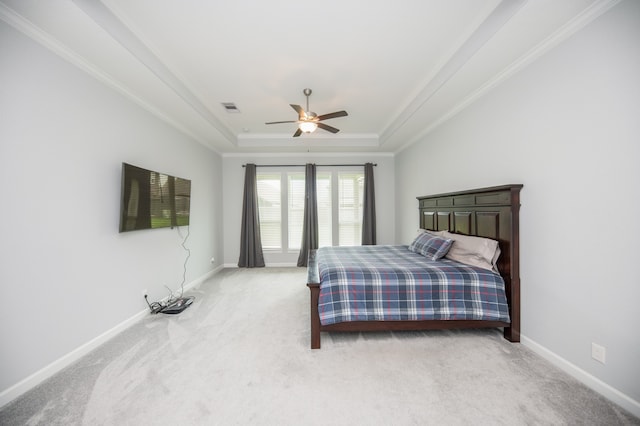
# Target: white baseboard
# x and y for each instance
(203, 278)
(268, 265)
(590, 381)
(43, 374)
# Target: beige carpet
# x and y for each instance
(240, 355)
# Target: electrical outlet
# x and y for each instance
(213, 260)
(598, 352)
(144, 292)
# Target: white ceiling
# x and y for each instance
(398, 68)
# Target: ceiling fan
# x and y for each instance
(309, 121)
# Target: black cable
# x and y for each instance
(184, 267)
(159, 307)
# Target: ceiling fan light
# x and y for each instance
(308, 126)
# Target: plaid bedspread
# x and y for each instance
(387, 283)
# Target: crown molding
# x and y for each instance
(44, 39)
(316, 139)
(591, 13)
(493, 23)
(105, 18)
(306, 154)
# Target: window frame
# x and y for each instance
(334, 173)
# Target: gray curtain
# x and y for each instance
(310, 226)
(250, 242)
(368, 208)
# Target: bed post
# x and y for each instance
(315, 317)
(313, 282)
(512, 333)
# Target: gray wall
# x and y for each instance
(568, 128)
(67, 275)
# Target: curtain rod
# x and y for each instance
(302, 165)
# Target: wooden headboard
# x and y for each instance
(492, 212)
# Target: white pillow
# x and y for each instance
(475, 251)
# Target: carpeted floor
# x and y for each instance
(240, 355)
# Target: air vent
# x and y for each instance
(230, 107)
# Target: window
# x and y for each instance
(350, 195)
(269, 207)
(295, 209)
(325, 214)
(339, 209)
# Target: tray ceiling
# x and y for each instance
(399, 68)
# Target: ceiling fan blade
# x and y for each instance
(328, 128)
(279, 122)
(297, 133)
(299, 110)
(332, 115)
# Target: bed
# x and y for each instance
(347, 284)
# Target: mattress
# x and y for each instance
(391, 283)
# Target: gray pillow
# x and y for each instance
(430, 246)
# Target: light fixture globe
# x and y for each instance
(308, 126)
